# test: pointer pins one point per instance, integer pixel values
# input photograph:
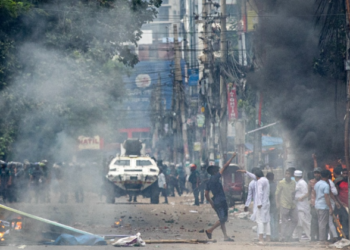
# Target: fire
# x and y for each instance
(117, 223)
(330, 168)
(338, 225)
(18, 225)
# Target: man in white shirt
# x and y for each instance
(302, 203)
(261, 212)
(251, 193)
(162, 185)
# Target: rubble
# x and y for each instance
(341, 243)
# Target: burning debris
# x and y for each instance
(118, 224)
(21, 227)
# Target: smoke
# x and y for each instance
(71, 60)
(287, 45)
(58, 95)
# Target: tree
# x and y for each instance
(61, 69)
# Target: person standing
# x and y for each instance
(162, 186)
(5, 180)
(263, 206)
(261, 211)
(194, 180)
(251, 191)
(218, 202)
(181, 176)
(342, 187)
(36, 180)
(312, 197)
(333, 192)
(303, 207)
(203, 177)
(273, 208)
(285, 202)
(323, 205)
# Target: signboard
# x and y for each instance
(232, 103)
(193, 77)
(200, 120)
(197, 146)
(95, 142)
(140, 86)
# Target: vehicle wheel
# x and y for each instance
(155, 193)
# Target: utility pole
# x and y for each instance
(208, 71)
(157, 117)
(257, 135)
(180, 92)
(346, 139)
(223, 86)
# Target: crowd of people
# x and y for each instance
(174, 178)
(32, 182)
(299, 209)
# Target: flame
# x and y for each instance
(339, 226)
(18, 225)
(118, 223)
(330, 168)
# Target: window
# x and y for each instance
(122, 162)
(143, 163)
(165, 2)
(163, 13)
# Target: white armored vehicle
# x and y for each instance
(132, 173)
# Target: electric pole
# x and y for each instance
(180, 92)
(347, 113)
(257, 135)
(223, 86)
(157, 117)
(208, 71)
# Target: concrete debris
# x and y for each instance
(341, 243)
(241, 215)
(134, 240)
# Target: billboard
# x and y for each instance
(232, 103)
(95, 142)
(140, 86)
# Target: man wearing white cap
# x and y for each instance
(302, 203)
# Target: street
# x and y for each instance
(176, 220)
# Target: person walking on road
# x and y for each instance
(218, 202)
(302, 203)
(194, 180)
(273, 209)
(261, 212)
(162, 186)
(285, 201)
(323, 205)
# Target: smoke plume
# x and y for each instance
(304, 102)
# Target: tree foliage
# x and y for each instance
(61, 67)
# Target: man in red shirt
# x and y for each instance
(342, 187)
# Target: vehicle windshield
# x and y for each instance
(143, 163)
(122, 162)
